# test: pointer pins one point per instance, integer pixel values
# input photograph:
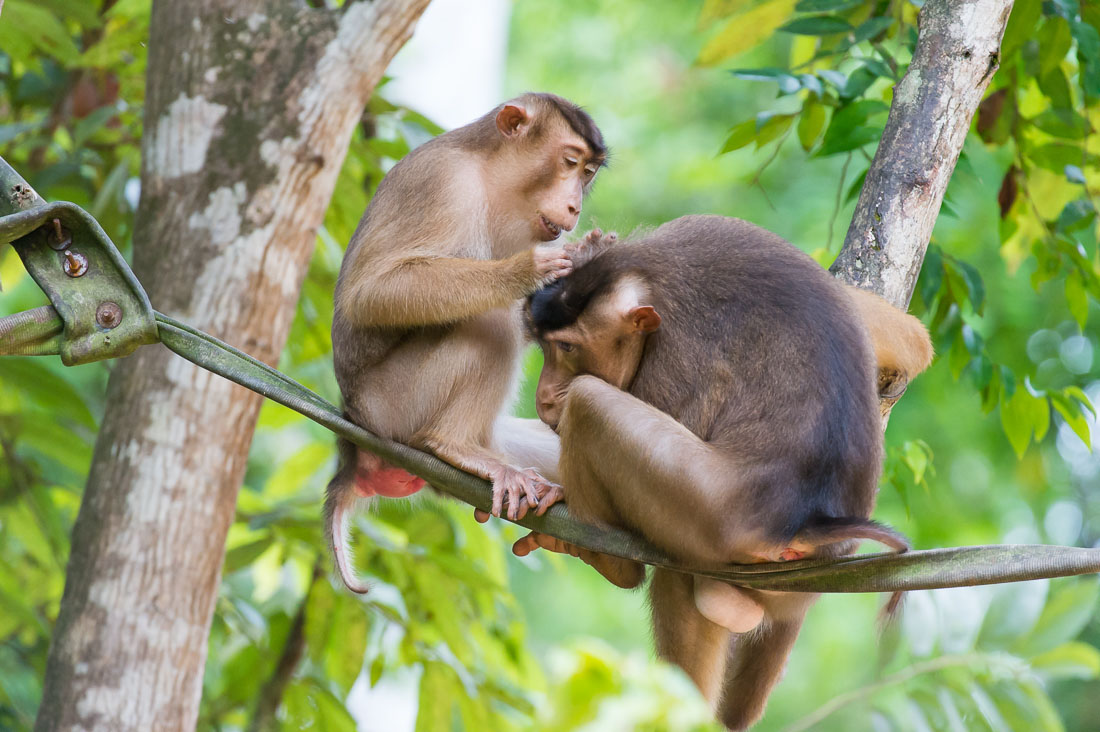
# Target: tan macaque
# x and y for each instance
(715, 392)
(426, 330)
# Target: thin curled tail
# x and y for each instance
(830, 530)
(340, 499)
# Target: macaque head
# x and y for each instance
(548, 151)
(600, 331)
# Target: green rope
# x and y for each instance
(75, 327)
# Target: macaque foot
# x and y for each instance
(619, 572)
(727, 606)
(523, 488)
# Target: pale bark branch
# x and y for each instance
(250, 106)
(957, 52)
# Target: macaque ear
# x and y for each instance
(643, 319)
(512, 120)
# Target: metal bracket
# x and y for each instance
(104, 311)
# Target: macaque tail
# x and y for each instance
(340, 499)
(755, 664)
(829, 530)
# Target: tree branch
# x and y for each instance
(957, 52)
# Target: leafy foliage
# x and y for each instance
(470, 639)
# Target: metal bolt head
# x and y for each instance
(108, 315)
(75, 263)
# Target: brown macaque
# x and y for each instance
(427, 326)
(714, 390)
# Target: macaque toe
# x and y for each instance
(552, 495)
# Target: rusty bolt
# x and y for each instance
(108, 315)
(75, 263)
(58, 237)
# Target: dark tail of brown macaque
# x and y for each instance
(829, 530)
(340, 498)
(833, 530)
(754, 665)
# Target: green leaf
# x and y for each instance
(848, 129)
(826, 6)
(1074, 416)
(1021, 25)
(42, 28)
(772, 127)
(1022, 415)
(1065, 615)
(871, 28)
(745, 31)
(811, 123)
(1072, 660)
(1088, 55)
(821, 25)
(739, 136)
(713, 10)
(1077, 298)
(244, 555)
(376, 668)
(788, 84)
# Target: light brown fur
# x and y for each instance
(426, 333)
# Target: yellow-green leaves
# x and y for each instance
(745, 31)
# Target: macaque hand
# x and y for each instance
(523, 488)
(551, 264)
(553, 494)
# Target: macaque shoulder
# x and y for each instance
(432, 203)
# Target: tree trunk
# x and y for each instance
(250, 107)
(957, 53)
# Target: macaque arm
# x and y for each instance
(528, 443)
(435, 290)
(660, 478)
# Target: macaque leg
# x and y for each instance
(659, 478)
(900, 341)
(682, 635)
(756, 660)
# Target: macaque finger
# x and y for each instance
(552, 496)
(481, 516)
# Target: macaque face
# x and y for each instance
(606, 341)
(554, 169)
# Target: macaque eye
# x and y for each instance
(571, 162)
(563, 346)
(589, 172)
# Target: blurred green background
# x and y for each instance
(991, 445)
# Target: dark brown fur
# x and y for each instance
(761, 355)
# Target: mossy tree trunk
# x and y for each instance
(957, 53)
(250, 107)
